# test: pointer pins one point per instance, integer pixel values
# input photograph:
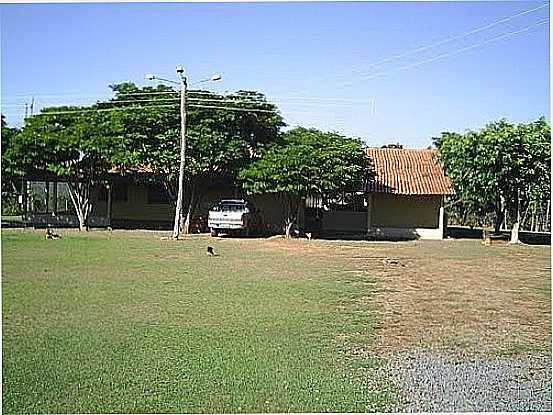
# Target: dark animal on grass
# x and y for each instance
(210, 251)
(51, 235)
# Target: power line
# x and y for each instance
(95, 110)
(362, 70)
(151, 106)
(227, 97)
(443, 55)
(235, 101)
(313, 101)
(143, 101)
(235, 108)
(322, 99)
(75, 94)
(324, 104)
(222, 101)
(407, 53)
(456, 37)
(136, 101)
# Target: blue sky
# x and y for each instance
(313, 59)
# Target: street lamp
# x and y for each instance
(183, 81)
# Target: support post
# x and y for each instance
(24, 194)
(516, 225)
(301, 214)
(441, 224)
(47, 190)
(546, 226)
(370, 204)
(55, 196)
(109, 188)
(30, 200)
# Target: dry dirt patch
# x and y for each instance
(455, 295)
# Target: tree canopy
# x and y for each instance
(74, 143)
(502, 167)
(309, 162)
(393, 145)
(9, 161)
(138, 131)
(224, 132)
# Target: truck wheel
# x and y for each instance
(214, 232)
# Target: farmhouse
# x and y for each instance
(404, 201)
(129, 203)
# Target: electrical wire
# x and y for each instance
(443, 55)
(313, 101)
(227, 98)
(73, 94)
(235, 109)
(151, 106)
(407, 53)
(456, 37)
(229, 101)
(277, 102)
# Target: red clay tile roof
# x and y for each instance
(408, 172)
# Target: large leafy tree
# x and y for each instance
(500, 168)
(224, 132)
(77, 144)
(309, 162)
(10, 182)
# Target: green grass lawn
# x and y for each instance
(126, 322)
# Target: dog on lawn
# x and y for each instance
(51, 235)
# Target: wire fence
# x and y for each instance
(536, 218)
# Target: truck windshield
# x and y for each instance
(230, 207)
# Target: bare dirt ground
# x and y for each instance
(451, 295)
(460, 326)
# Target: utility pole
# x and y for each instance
(178, 211)
(177, 227)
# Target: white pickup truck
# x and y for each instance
(233, 216)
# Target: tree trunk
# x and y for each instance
(292, 211)
(25, 193)
(499, 210)
(464, 218)
(187, 220)
(80, 196)
(190, 210)
(546, 225)
(516, 224)
(514, 233)
(288, 227)
(525, 216)
(498, 220)
(533, 221)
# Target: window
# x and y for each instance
(157, 195)
(233, 207)
(119, 193)
(348, 201)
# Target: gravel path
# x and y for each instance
(432, 382)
